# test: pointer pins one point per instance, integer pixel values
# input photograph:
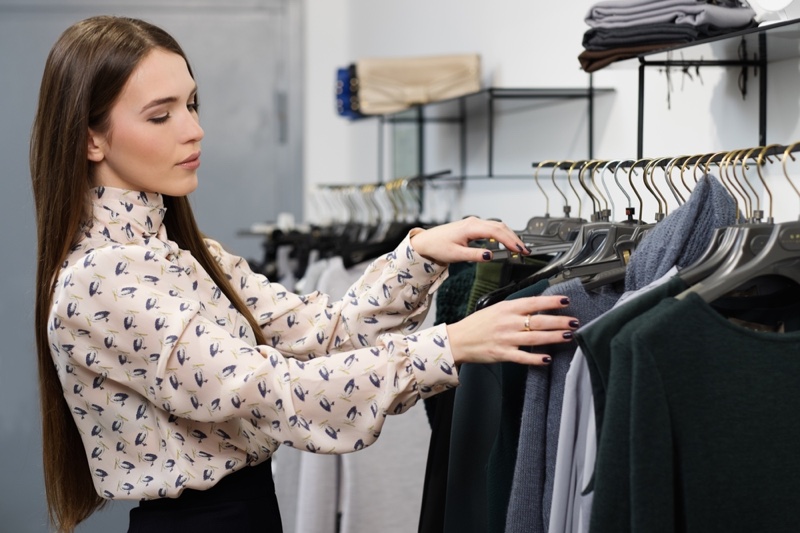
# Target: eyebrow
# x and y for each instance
(165, 100)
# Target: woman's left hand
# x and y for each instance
(449, 243)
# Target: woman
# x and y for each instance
(169, 371)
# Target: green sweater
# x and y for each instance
(714, 417)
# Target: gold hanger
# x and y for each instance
(726, 181)
(648, 169)
(613, 209)
(596, 206)
(616, 179)
(788, 152)
(683, 169)
(656, 164)
(670, 182)
(569, 180)
(748, 202)
(567, 207)
(605, 213)
(757, 213)
(759, 163)
(536, 179)
(644, 162)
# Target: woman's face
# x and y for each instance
(153, 142)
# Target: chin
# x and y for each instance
(183, 189)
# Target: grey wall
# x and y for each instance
(246, 57)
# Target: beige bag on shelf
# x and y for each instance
(388, 85)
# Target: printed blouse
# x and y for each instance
(163, 377)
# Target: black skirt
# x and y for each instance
(244, 502)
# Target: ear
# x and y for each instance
(95, 152)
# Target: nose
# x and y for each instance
(192, 129)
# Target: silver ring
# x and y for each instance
(527, 324)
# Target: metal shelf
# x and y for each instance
(754, 47)
(417, 115)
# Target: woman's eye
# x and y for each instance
(160, 120)
(193, 107)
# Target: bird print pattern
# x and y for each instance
(163, 377)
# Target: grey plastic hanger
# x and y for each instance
(760, 249)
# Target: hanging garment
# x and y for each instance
(713, 416)
(477, 414)
(577, 439)
(529, 505)
(503, 455)
(679, 239)
(682, 237)
(451, 306)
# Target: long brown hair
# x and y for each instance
(85, 72)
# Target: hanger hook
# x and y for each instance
(596, 206)
(683, 169)
(726, 181)
(759, 163)
(758, 214)
(647, 170)
(630, 180)
(748, 208)
(536, 179)
(604, 212)
(572, 186)
(660, 163)
(605, 187)
(567, 207)
(671, 184)
(616, 179)
(788, 153)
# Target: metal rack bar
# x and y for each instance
(492, 94)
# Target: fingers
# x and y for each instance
(491, 229)
(527, 358)
(537, 304)
(531, 328)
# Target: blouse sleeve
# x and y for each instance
(118, 331)
(392, 295)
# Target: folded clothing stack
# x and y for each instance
(621, 29)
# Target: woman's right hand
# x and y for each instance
(496, 333)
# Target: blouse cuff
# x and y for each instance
(421, 267)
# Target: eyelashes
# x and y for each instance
(193, 107)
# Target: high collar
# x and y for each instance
(127, 215)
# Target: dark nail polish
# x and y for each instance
(520, 248)
(546, 359)
(567, 335)
(487, 255)
(565, 301)
(574, 324)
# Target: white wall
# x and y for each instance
(529, 44)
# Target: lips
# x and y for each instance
(191, 159)
(191, 163)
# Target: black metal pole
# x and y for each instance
(762, 89)
(462, 131)
(380, 148)
(591, 117)
(640, 127)
(491, 133)
(420, 143)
